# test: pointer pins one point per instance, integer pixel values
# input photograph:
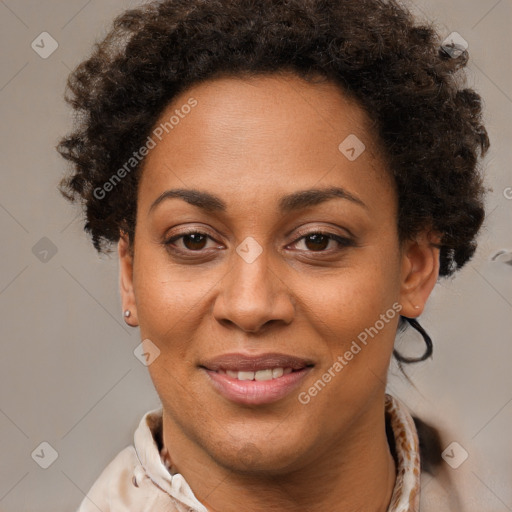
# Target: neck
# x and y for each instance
(334, 479)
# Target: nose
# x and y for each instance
(253, 296)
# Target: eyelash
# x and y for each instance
(342, 241)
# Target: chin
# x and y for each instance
(258, 455)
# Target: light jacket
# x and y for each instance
(138, 479)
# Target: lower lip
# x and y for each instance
(255, 392)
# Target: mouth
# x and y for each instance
(255, 380)
(260, 375)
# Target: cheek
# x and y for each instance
(169, 300)
(356, 318)
(170, 309)
(354, 298)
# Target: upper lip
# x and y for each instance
(245, 362)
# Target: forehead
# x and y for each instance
(261, 135)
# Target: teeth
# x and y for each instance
(277, 372)
(260, 375)
(263, 375)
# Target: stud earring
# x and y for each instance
(127, 313)
(416, 307)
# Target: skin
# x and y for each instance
(251, 141)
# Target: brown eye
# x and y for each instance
(319, 242)
(192, 241)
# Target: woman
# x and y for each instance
(286, 182)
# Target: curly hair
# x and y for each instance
(414, 91)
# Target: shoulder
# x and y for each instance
(445, 486)
(124, 486)
(438, 493)
(114, 481)
(458, 489)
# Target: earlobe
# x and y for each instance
(126, 281)
(420, 271)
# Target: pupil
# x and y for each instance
(195, 240)
(316, 237)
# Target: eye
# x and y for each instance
(314, 241)
(192, 241)
(318, 241)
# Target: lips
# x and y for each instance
(247, 363)
(256, 380)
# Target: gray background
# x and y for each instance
(68, 373)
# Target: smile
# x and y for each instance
(256, 380)
(260, 375)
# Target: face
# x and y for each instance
(276, 252)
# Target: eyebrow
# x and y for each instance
(291, 202)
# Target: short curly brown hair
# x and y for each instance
(410, 85)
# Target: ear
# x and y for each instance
(126, 280)
(420, 271)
